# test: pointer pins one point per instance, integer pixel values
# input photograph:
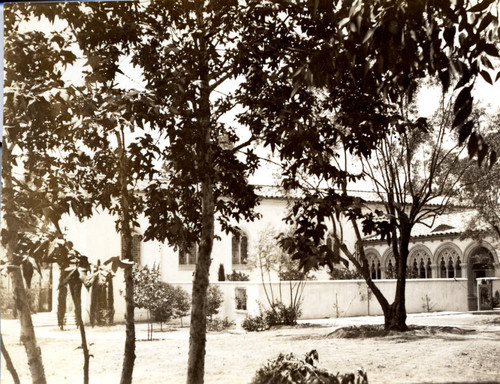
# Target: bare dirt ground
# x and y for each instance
(234, 358)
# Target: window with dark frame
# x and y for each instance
(239, 248)
(189, 255)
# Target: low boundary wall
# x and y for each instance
(330, 298)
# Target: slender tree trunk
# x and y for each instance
(10, 236)
(8, 363)
(126, 232)
(198, 329)
(76, 293)
(62, 293)
(197, 334)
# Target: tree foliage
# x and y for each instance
(326, 76)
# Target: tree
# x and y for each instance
(325, 76)
(480, 185)
(182, 303)
(272, 259)
(152, 294)
(31, 82)
(186, 52)
(215, 298)
(102, 111)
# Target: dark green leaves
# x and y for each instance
(481, 6)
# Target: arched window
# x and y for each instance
(373, 263)
(239, 248)
(188, 255)
(135, 248)
(449, 259)
(417, 267)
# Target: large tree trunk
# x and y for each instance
(395, 319)
(8, 363)
(10, 235)
(76, 294)
(126, 232)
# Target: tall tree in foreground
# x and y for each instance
(326, 75)
(186, 53)
(31, 119)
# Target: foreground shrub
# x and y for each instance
(254, 323)
(288, 369)
(219, 325)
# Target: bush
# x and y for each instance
(345, 274)
(182, 302)
(254, 323)
(215, 298)
(280, 314)
(290, 369)
(238, 276)
(219, 325)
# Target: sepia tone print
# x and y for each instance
(250, 192)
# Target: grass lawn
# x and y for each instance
(234, 358)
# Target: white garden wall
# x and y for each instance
(329, 299)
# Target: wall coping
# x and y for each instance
(329, 281)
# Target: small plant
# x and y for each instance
(222, 275)
(238, 276)
(496, 299)
(215, 298)
(288, 369)
(427, 304)
(254, 323)
(219, 325)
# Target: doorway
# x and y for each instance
(480, 265)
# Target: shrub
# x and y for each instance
(345, 274)
(222, 275)
(254, 323)
(219, 325)
(238, 276)
(290, 369)
(215, 298)
(496, 299)
(280, 314)
(182, 302)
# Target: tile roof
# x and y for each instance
(448, 224)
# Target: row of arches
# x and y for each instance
(446, 262)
